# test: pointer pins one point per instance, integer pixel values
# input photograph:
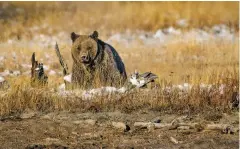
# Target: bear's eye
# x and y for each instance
(89, 48)
(78, 48)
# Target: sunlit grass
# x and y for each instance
(213, 62)
(114, 16)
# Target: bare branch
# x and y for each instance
(63, 64)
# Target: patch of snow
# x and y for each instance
(122, 90)
(14, 55)
(2, 79)
(87, 94)
(110, 89)
(47, 56)
(52, 72)
(5, 73)
(159, 34)
(27, 72)
(26, 66)
(187, 86)
(10, 41)
(182, 23)
(221, 88)
(61, 88)
(16, 73)
(2, 58)
(138, 83)
(68, 78)
(45, 67)
(34, 28)
(172, 30)
(116, 37)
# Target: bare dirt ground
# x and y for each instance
(75, 130)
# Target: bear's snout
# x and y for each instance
(85, 59)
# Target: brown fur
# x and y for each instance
(103, 66)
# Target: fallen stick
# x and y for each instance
(216, 126)
(120, 125)
(147, 124)
(162, 125)
(222, 127)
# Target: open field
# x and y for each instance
(193, 47)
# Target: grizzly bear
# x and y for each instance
(95, 63)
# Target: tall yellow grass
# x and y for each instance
(220, 64)
(113, 16)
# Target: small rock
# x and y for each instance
(187, 131)
(156, 120)
(27, 115)
(151, 127)
(183, 127)
(85, 122)
(173, 140)
(47, 116)
(90, 122)
(121, 125)
(52, 139)
(44, 146)
(90, 135)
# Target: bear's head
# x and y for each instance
(84, 48)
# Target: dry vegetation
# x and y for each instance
(174, 66)
(113, 16)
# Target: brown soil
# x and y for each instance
(66, 130)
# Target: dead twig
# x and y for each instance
(38, 77)
(63, 64)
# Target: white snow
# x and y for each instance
(61, 88)
(27, 72)
(2, 79)
(172, 30)
(2, 58)
(5, 73)
(222, 88)
(128, 38)
(16, 73)
(102, 91)
(26, 66)
(182, 23)
(45, 67)
(138, 83)
(159, 34)
(68, 78)
(52, 72)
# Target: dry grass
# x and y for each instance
(115, 16)
(175, 66)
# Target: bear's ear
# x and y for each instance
(94, 35)
(74, 36)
